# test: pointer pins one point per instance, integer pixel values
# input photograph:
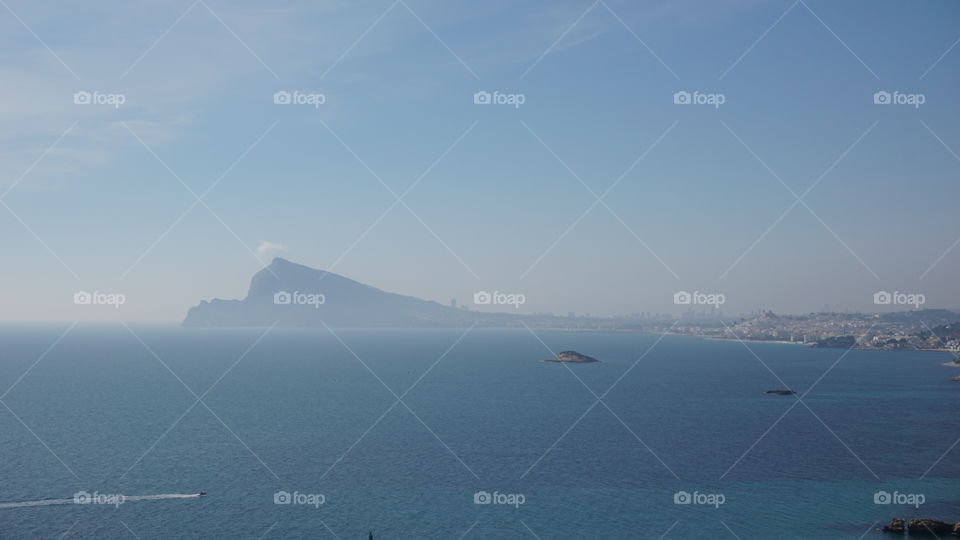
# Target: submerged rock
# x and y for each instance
(572, 357)
(896, 525)
(917, 526)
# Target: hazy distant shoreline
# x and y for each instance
(781, 341)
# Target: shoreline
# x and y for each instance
(779, 341)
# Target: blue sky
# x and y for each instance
(99, 195)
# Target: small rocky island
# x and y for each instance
(572, 357)
(922, 527)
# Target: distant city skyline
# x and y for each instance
(594, 157)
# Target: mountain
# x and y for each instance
(294, 295)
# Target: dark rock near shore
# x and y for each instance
(572, 357)
(896, 525)
(933, 527)
(922, 527)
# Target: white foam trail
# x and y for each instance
(162, 496)
(46, 502)
(126, 498)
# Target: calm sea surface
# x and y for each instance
(301, 412)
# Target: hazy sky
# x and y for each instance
(502, 197)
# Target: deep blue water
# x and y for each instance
(298, 400)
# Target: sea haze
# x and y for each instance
(305, 410)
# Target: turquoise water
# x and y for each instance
(297, 414)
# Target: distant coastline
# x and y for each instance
(291, 295)
(780, 341)
(709, 337)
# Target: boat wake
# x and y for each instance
(87, 501)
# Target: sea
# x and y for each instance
(113, 431)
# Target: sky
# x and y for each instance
(584, 185)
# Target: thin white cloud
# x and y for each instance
(266, 251)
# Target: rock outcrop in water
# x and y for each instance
(896, 525)
(922, 527)
(572, 357)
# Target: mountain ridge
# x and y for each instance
(290, 294)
